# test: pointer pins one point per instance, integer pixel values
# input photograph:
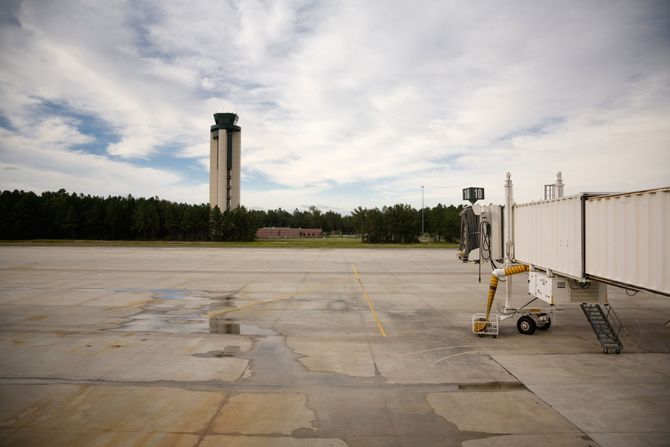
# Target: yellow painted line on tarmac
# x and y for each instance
(281, 297)
(367, 298)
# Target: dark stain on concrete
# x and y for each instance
(361, 411)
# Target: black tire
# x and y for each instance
(546, 326)
(526, 325)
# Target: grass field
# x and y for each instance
(334, 242)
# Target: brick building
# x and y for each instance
(282, 233)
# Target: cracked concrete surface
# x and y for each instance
(280, 347)
(264, 414)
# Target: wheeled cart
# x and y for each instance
(485, 326)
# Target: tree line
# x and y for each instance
(402, 223)
(63, 215)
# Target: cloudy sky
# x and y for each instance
(341, 103)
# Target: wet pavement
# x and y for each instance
(290, 347)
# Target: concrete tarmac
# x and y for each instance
(308, 347)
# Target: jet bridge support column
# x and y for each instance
(509, 240)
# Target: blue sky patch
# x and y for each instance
(541, 128)
(85, 123)
(5, 123)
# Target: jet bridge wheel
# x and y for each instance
(546, 325)
(526, 325)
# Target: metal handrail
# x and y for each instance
(616, 320)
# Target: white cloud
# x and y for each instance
(444, 94)
(43, 158)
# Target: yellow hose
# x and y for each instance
(513, 270)
(493, 286)
(479, 326)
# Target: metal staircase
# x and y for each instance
(606, 325)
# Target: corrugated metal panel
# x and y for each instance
(627, 239)
(548, 234)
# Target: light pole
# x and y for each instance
(422, 226)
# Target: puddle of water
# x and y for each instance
(229, 352)
(223, 325)
(171, 294)
(227, 301)
(193, 323)
(183, 294)
(185, 311)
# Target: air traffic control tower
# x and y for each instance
(224, 162)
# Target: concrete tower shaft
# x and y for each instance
(224, 162)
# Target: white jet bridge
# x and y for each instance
(572, 248)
